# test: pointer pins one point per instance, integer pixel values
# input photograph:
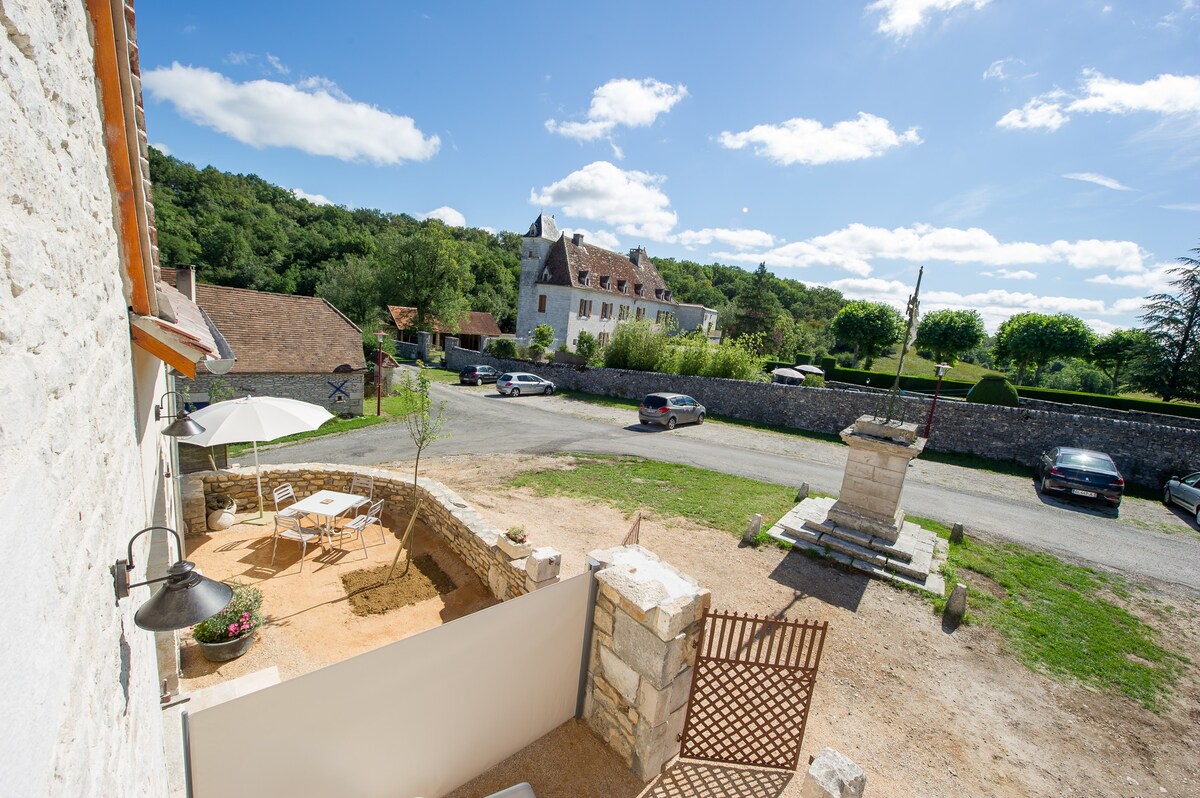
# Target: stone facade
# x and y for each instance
(645, 631)
(317, 389)
(1147, 454)
(83, 465)
(442, 511)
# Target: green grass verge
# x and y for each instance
(706, 497)
(1059, 619)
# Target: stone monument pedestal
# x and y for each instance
(869, 501)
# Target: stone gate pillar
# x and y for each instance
(869, 501)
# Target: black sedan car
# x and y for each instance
(1080, 473)
(477, 375)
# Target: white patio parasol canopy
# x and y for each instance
(809, 369)
(253, 419)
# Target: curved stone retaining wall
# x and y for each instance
(1146, 453)
(442, 510)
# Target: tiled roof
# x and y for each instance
(280, 333)
(567, 262)
(476, 322)
(543, 227)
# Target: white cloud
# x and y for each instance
(315, 199)
(629, 200)
(1037, 113)
(278, 65)
(808, 141)
(1153, 279)
(902, 18)
(997, 70)
(163, 148)
(601, 238)
(1008, 274)
(1182, 206)
(622, 102)
(309, 116)
(740, 238)
(854, 249)
(1098, 179)
(447, 215)
(1168, 95)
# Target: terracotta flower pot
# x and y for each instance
(227, 649)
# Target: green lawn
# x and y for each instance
(917, 366)
(394, 409)
(1063, 620)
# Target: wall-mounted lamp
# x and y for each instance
(186, 599)
(182, 426)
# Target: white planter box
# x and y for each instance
(515, 551)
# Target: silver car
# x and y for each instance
(1184, 492)
(670, 409)
(516, 383)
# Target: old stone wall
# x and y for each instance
(317, 389)
(79, 449)
(1146, 453)
(443, 512)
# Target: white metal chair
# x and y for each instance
(284, 497)
(291, 527)
(361, 485)
(359, 524)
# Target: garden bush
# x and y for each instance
(994, 389)
(502, 348)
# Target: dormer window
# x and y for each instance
(658, 293)
(605, 282)
(585, 278)
(639, 289)
(622, 286)
(546, 275)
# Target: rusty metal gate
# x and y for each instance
(752, 689)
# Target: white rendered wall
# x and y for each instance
(79, 680)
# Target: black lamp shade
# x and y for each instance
(183, 427)
(185, 600)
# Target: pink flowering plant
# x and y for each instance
(239, 618)
(517, 534)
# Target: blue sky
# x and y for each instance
(1031, 155)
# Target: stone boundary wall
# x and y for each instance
(1147, 454)
(442, 511)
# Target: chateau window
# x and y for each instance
(641, 314)
(585, 308)
(639, 289)
(621, 286)
(623, 313)
(605, 282)
(541, 303)
(585, 278)
(602, 339)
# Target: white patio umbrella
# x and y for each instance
(253, 419)
(809, 369)
(788, 374)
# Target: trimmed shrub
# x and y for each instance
(993, 389)
(505, 348)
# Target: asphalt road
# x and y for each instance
(998, 506)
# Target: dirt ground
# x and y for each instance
(924, 711)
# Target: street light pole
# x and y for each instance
(942, 368)
(378, 372)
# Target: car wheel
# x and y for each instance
(515, 392)
(478, 381)
(549, 391)
(1167, 496)
(1198, 515)
(700, 419)
(671, 422)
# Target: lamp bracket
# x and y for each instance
(121, 568)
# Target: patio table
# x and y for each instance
(327, 505)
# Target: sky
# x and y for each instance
(1031, 155)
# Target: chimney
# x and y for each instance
(633, 254)
(577, 239)
(185, 281)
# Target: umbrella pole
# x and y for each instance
(261, 518)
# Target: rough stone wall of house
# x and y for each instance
(645, 631)
(533, 256)
(317, 389)
(443, 512)
(81, 691)
(1146, 453)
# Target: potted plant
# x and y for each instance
(515, 543)
(221, 509)
(229, 634)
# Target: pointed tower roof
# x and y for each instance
(543, 227)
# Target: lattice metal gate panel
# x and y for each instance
(752, 690)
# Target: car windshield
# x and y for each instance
(1086, 460)
(654, 401)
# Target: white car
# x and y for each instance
(1184, 492)
(518, 382)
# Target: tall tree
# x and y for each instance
(425, 270)
(756, 307)
(869, 327)
(1172, 367)
(353, 288)
(1115, 351)
(949, 333)
(1035, 339)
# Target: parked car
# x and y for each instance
(477, 375)
(518, 382)
(670, 409)
(1184, 492)
(1080, 472)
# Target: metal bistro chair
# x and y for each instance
(362, 485)
(359, 524)
(285, 497)
(292, 527)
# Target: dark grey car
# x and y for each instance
(670, 409)
(1185, 492)
(1081, 473)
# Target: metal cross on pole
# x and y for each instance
(890, 407)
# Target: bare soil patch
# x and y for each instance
(926, 711)
(370, 596)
